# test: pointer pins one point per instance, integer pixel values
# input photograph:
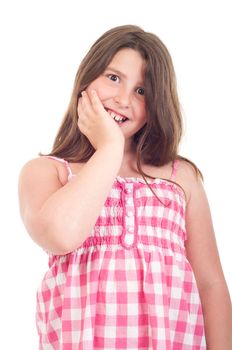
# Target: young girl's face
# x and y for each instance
(121, 90)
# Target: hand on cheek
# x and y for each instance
(95, 123)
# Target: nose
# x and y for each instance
(123, 97)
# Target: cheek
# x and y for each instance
(92, 86)
(104, 88)
(142, 112)
(99, 86)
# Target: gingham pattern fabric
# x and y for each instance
(129, 286)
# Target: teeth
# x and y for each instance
(116, 117)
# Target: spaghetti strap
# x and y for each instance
(175, 165)
(70, 174)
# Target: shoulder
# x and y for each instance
(38, 165)
(39, 178)
(44, 167)
(188, 178)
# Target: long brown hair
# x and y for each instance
(156, 143)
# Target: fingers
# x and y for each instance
(83, 109)
(91, 102)
(96, 102)
(95, 122)
(84, 103)
(90, 110)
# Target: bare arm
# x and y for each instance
(203, 255)
(59, 218)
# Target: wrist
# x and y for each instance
(112, 147)
(111, 150)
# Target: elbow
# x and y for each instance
(51, 235)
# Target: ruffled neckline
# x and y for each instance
(140, 179)
(157, 180)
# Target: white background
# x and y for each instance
(42, 43)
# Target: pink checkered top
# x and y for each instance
(130, 285)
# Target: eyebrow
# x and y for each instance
(121, 73)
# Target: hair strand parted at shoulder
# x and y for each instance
(158, 141)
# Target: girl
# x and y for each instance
(124, 218)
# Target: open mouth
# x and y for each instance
(118, 118)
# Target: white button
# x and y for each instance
(129, 239)
(130, 229)
(128, 190)
(130, 213)
(129, 201)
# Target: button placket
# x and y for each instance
(128, 237)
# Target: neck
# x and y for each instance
(129, 161)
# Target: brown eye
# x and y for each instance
(113, 77)
(140, 91)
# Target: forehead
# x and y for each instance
(128, 61)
